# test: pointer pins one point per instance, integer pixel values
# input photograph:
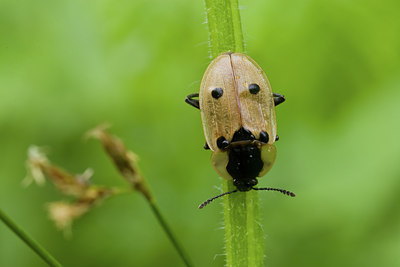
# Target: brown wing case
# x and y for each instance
(257, 110)
(236, 107)
(220, 117)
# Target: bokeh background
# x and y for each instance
(66, 66)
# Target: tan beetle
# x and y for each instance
(237, 109)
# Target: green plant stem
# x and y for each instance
(169, 233)
(244, 242)
(36, 247)
(224, 26)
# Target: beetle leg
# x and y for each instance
(206, 147)
(276, 138)
(193, 102)
(278, 99)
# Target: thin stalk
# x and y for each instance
(244, 242)
(35, 246)
(169, 233)
(126, 163)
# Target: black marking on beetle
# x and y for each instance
(243, 135)
(217, 93)
(222, 142)
(254, 88)
(264, 137)
(245, 161)
(244, 165)
(276, 138)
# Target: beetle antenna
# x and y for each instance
(205, 203)
(285, 192)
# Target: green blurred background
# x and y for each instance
(66, 66)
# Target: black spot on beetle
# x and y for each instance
(254, 88)
(264, 137)
(217, 93)
(222, 142)
(244, 165)
(243, 135)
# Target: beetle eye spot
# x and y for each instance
(217, 93)
(254, 88)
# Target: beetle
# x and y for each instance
(237, 109)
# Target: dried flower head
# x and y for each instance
(85, 196)
(63, 213)
(39, 168)
(124, 160)
(36, 161)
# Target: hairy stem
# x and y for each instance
(244, 242)
(224, 26)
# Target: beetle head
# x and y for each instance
(245, 185)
